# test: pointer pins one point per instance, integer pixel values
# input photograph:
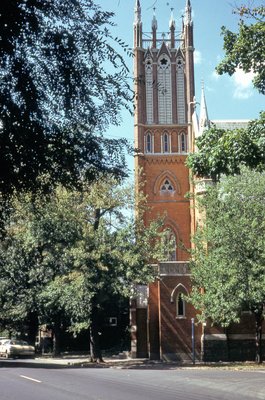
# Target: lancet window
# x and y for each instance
(183, 143)
(180, 305)
(149, 90)
(148, 143)
(181, 103)
(171, 243)
(166, 143)
(164, 90)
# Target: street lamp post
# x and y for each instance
(193, 341)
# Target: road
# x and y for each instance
(33, 380)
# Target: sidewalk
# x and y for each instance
(83, 361)
(109, 362)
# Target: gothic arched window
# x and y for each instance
(165, 143)
(170, 244)
(164, 90)
(148, 143)
(180, 81)
(149, 90)
(180, 305)
(183, 143)
(178, 297)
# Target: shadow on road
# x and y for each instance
(79, 363)
(142, 364)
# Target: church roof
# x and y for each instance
(229, 124)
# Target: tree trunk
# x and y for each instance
(94, 333)
(56, 340)
(33, 324)
(95, 349)
(258, 322)
(228, 344)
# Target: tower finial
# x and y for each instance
(188, 19)
(137, 12)
(172, 23)
(204, 122)
(154, 20)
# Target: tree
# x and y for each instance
(246, 49)
(61, 84)
(35, 247)
(223, 152)
(228, 259)
(62, 257)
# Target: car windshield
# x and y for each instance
(16, 342)
(5, 342)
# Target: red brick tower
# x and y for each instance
(164, 101)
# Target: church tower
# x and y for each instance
(164, 103)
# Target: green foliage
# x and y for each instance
(62, 83)
(246, 49)
(223, 152)
(228, 260)
(66, 252)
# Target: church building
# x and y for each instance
(163, 325)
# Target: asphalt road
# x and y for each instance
(34, 380)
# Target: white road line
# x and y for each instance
(30, 379)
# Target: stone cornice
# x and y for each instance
(165, 159)
(174, 268)
(161, 126)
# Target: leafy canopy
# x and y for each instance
(246, 48)
(228, 260)
(65, 252)
(62, 82)
(223, 152)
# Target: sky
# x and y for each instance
(226, 97)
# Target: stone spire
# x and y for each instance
(137, 12)
(154, 20)
(172, 23)
(188, 19)
(172, 26)
(204, 122)
(154, 29)
(137, 24)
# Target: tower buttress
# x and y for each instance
(189, 50)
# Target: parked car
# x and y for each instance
(16, 348)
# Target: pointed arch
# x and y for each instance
(171, 244)
(171, 177)
(177, 296)
(164, 50)
(182, 142)
(148, 142)
(178, 288)
(180, 82)
(171, 225)
(166, 142)
(149, 88)
(164, 89)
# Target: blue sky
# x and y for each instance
(226, 97)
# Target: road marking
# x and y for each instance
(30, 379)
